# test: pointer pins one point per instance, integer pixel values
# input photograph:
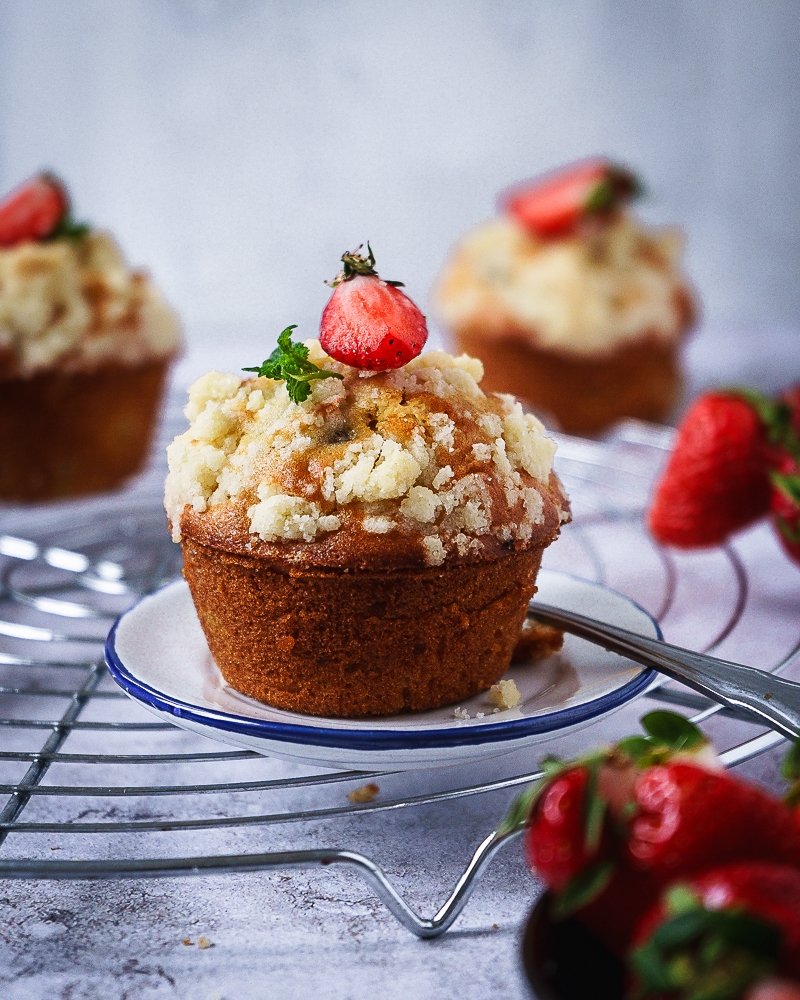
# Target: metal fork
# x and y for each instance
(771, 700)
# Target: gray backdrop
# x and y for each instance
(238, 146)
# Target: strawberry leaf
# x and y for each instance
(788, 485)
(639, 749)
(594, 811)
(700, 954)
(790, 533)
(582, 889)
(69, 229)
(289, 363)
(673, 730)
(775, 415)
(790, 769)
(354, 263)
(519, 811)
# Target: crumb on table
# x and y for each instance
(364, 793)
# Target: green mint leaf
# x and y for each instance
(673, 730)
(582, 889)
(289, 363)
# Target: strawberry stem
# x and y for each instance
(355, 263)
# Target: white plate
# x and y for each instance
(158, 654)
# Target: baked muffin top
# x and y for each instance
(74, 303)
(405, 468)
(586, 292)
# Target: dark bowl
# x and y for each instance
(563, 961)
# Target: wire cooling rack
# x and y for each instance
(83, 765)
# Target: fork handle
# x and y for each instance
(772, 700)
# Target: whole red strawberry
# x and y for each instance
(716, 481)
(368, 322)
(33, 210)
(553, 205)
(565, 826)
(686, 817)
(719, 933)
(577, 821)
(572, 844)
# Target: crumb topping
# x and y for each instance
(418, 450)
(77, 303)
(582, 294)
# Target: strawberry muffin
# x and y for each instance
(570, 302)
(85, 346)
(361, 536)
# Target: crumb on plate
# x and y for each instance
(504, 694)
(537, 642)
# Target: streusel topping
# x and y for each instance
(418, 450)
(582, 294)
(75, 303)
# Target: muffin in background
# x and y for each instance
(571, 303)
(85, 348)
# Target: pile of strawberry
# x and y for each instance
(685, 871)
(736, 460)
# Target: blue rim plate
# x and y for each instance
(157, 653)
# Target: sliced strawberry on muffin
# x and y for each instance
(33, 211)
(368, 322)
(553, 205)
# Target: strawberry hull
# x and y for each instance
(721, 931)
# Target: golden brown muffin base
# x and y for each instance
(338, 643)
(583, 395)
(67, 434)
